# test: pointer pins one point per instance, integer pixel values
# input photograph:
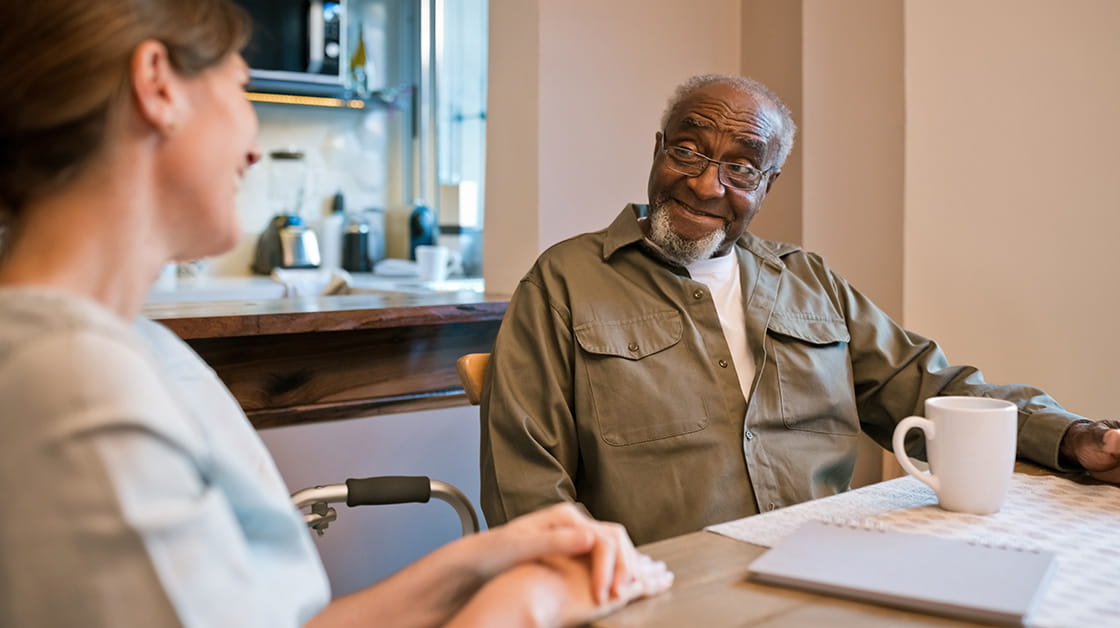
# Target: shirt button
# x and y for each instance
(698, 294)
(633, 346)
(770, 506)
(723, 364)
(749, 434)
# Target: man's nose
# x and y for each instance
(707, 183)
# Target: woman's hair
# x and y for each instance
(64, 68)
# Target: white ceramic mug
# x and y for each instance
(435, 262)
(970, 442)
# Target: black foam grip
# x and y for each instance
(388, 489)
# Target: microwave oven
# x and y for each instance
(298, 46)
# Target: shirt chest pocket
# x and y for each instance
(636, 381)
(814, 375)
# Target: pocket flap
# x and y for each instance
(818, 331)
(633, 338)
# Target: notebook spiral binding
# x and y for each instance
(865, 524)
(1001, 543)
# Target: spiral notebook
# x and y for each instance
(994, 584)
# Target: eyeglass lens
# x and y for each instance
(693, 164)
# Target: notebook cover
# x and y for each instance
(974, 581)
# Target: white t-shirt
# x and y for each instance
(721, 275)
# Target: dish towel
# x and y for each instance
(311, 282)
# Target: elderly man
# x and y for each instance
(675, 370)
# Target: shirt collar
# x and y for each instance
(625, 230)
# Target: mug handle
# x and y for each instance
(455, 262)
(899, 440)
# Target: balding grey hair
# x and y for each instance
(744, 85)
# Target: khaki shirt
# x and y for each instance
(611, 385)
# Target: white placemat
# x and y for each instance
(1078, 522)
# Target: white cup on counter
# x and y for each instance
(434, 262)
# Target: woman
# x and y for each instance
(135, 491)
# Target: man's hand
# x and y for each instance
(1094, 445)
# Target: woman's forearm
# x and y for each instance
(554, 567)
(425, 593)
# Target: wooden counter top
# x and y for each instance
(309, 359)
(223, 319)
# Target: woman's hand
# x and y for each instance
(647, 577)
(556, 591)
(564, 530)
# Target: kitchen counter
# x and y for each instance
(307, 359)
(294, 315)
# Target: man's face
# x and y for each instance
(699, 217)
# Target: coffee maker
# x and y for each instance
(287, 242)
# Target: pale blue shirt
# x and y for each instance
(136, 493)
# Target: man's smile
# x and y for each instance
(688, 209)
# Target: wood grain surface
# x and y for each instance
(304, 360)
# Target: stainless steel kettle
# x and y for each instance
(286, 243)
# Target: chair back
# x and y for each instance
(472, 372)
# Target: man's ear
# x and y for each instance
(770, 181)
(156, 88)
(656, 143)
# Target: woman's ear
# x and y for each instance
(156, 87)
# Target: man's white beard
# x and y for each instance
(679, 250)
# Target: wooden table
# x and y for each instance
(309, 359)
(712, 591)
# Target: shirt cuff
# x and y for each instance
(1040, 438)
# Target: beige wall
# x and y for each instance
(853, 117)
(1012, 202)
(576, 94)
(511, 220)
(772, 53)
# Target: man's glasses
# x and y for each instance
(690, 163)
